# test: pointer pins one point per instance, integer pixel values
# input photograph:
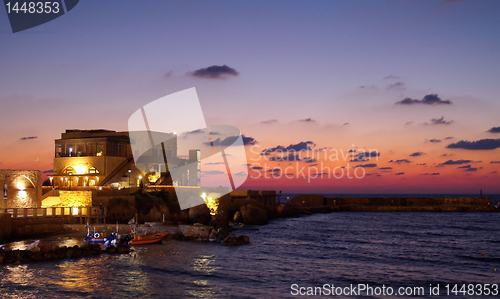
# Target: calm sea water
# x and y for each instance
(397, 249)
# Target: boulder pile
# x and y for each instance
(57, 253)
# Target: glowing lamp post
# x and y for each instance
(139, 183)
(211, 202)
(129, 172)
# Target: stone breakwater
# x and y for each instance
(56, 253)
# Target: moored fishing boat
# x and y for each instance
(94, 237)
(148, 239)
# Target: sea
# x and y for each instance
(335, 250)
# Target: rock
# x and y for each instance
(120, 210)
(253, 215)
(122, 249)
(195, 232)
(232, 240)
(289, 210)
(200, 214)
(213, 235)
(237, 217)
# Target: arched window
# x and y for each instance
(69, 170)
(80, 170)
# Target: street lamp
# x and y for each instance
(129, 172)
(140, 181)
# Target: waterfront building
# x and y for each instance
(91, 158)
(20, 188)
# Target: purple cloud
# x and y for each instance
(482, 144)
(430, 99)
(215, 72)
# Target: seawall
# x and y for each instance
(463, 204)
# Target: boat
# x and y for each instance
(148, 239)
(94, 237)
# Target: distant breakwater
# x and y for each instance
(415, 204)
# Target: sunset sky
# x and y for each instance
(416, 82)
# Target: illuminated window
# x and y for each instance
(69, 170)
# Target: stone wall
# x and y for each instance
(20, 188)
(5, 226)
(75, 198)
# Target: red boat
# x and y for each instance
(148, 239)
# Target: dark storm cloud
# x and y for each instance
(289, 157)
(307, 120)
(399, 173)
(439, 122)
(430, 99)
(434, 140)
(368, 165)
(364, 156)
(301, 146)
(417, 154)
(28, 138)
(495, 162)
(385, 168)
(482, 144)
(247, 140)
(431, 173)
(215, 72)
(400, 161)
(455, 162)
(256, 167)
(396, 86)
(309, 160)
(494, 130)
(199, 131)
(469, 168)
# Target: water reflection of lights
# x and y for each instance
(19, 245)
(70, 242)
(201, 290)
(18, 275)
(80, 275)
(202, 264)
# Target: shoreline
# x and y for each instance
(194, 232)
(246, 207)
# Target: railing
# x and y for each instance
(53, 212)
